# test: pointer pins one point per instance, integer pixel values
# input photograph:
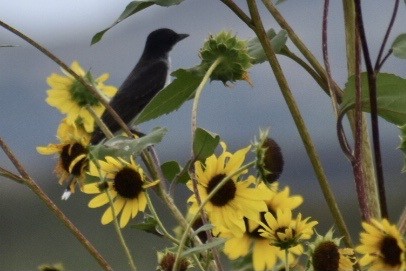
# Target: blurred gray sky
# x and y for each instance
(30, 235)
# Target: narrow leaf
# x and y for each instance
(121, 146)
(205, 227)
(278, 42)
(131, 9)
(204, 247)
(391, 92)
(204, 143)
(399, 46)
(173, 96)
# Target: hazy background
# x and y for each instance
(30, 235)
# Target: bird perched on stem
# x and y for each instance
(147, 78)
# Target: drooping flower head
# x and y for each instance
(269, 158)
(71, 97)
(382, 246)
(283, 231)
(235, 200)
(264, 255)
(326, 254)
(72, 151)
(124, 182)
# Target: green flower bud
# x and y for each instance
(234, 53)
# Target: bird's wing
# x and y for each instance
(143, 83)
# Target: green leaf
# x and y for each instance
(391, 91)
(172, 96)
(122, 146)
(173, 172)
(399, 46)
(204, 247)
(205, 227)
(278, 42)
(149, 225)
(204, 143)
(402, 146)
(131, 9)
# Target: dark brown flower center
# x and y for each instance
(128, 183)
(391, 252)
(225, 194)
(69, 155)
(326, 257)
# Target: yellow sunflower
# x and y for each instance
(71, 97)
(283, 231)
(264, 255)
(71, 150)
(325, 254)
(382, 246)
(125, 183)
(235, 200)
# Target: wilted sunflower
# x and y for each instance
(382, 246)
(264, 255)
(124, 182)
(235, 200)
(72, 152)
(71, 97)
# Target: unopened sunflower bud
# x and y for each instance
(234, 54)
(167, 260)
(269, 158)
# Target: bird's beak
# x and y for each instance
(182, 36)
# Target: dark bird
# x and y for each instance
(146, 79)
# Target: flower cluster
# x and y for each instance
(119, 182)
(250, 214)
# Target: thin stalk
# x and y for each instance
(368, 168)
(295, 112)
(204, 202)
(239, 12)
(55, 210)
(332, 92)
(379, 63)
(120, 234)
(195, 106)
(287, 259)
(300, 45)
(374, 110)
(10, 175)
(402, 222)
(199, 91)
(159, 222)
(103, 127)
(356, 163)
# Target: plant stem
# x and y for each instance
(195, 106)
(374, 110)
(287, 259)
(368, 169)
(160, 224)
(329, 80)
(10, 175)
(52, 206)
(294, 110)
(120, 234)
(300, 45)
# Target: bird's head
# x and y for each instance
(162, 40)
